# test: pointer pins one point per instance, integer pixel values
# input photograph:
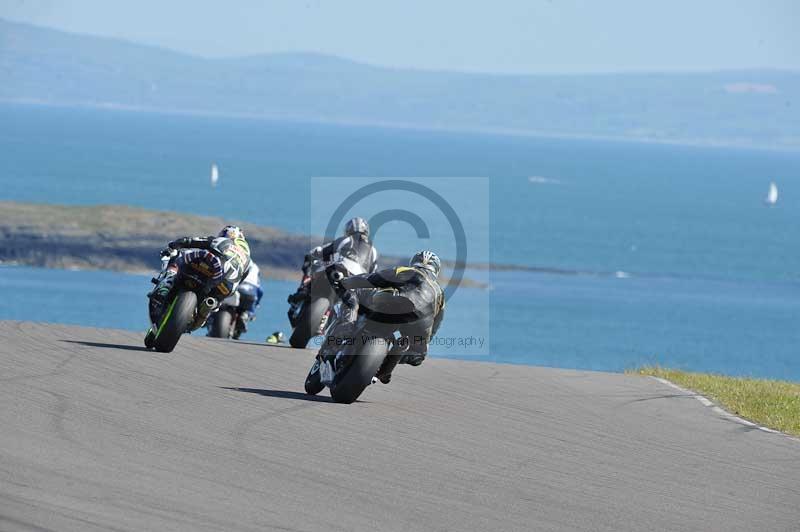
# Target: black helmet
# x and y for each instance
(427, 260)
(355, 226)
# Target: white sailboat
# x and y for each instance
(772, 195)
(214, 174)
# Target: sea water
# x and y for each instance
(667, 253)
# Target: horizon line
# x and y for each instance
(698, 143)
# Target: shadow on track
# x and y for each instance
(265, 344)
(282, 394)
(108, 346)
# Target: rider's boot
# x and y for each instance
(275, 338)
(297, 297)
(394, 357)
(163, 285)
(158, 296)
(150, 338)
(300, 295)
(245, 317)
(324, 360)
(413, 358)
(294, 300)
(385, 371)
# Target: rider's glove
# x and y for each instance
(413, 358)
(167, 252)
(181, 242)
(335, 276)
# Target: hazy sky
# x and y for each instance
(496, 36)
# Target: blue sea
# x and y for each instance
(668, 254)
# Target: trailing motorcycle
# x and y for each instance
(355, 362)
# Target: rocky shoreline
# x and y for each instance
(128, 239)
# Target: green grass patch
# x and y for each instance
(773, 404)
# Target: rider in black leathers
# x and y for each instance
(407, 295)
(354, 245)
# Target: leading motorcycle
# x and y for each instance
(187, 304)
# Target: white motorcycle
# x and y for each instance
(310, 317)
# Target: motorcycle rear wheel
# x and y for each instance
(351, 381)
(308, 322)
(175, 321)
(222, 326)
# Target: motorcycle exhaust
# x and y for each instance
(205, 308)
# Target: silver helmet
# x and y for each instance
(427, 260)
(356, 226)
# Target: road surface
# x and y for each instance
(98, 434)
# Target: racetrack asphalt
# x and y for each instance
(97, 433)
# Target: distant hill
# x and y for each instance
(751, 108)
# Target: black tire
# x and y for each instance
(308, 322)
(222, 324)
(351, 382)
(175, 321)
(313, 383)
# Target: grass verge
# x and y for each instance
(773, 404)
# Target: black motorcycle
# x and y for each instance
(357, 360)
(188, 304)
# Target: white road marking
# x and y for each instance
(722, 413)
